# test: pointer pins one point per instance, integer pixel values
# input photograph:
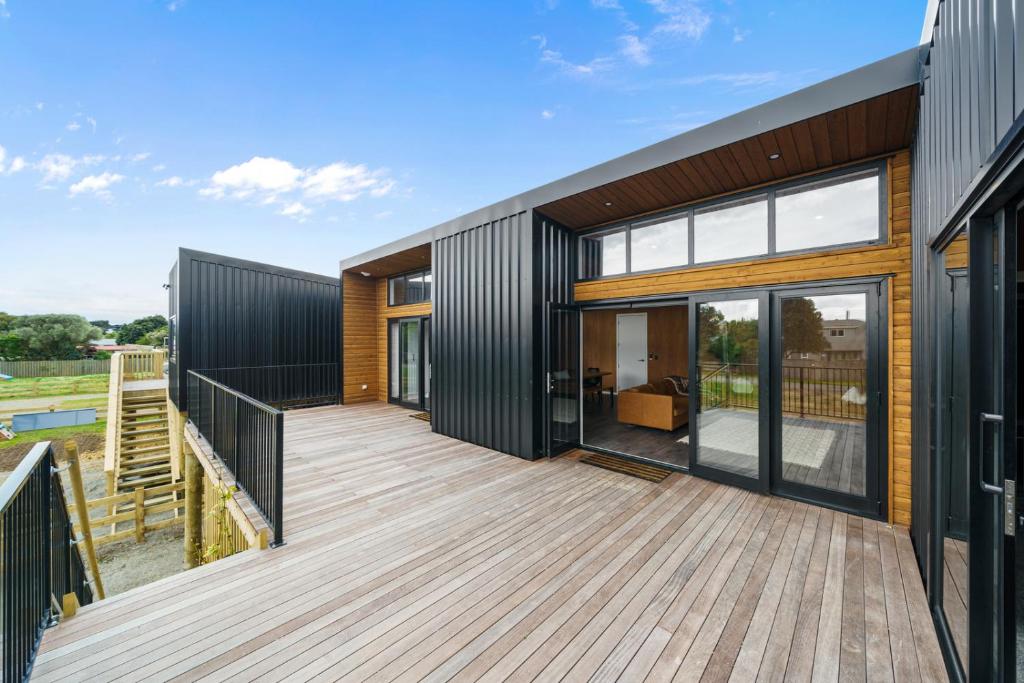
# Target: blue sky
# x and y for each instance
(301, 133)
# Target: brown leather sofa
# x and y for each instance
(658, 407)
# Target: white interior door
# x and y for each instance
(630, 350)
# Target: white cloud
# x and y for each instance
(295, 210)
(739, 35)
(741, 79)
(266, 180)
(3, 155)
(159, 167)
(3, 9)
(56, 167)
(98, 185)
(142, 156)
(381, 215)
(682, 18)
(92, 122)
(606, 4)
(73, 126)
(555, 58)
(547, 114)
(173, 181)
(40, 105)
(635, 50)
(17, 164)
(175, 5)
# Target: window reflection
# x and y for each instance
(604, 254)
(730, 231)
(660, 245)
(836, 211)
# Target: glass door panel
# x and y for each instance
(409, 367)
(426, 364)
(823, 392)
(563, 377)
(727, 414)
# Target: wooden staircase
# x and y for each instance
(144, 453)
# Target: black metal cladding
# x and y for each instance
(483, 336)
(972, 95)
(240, 314)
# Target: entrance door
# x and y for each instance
(562, 404)
(826, 405)
(630, 350)
(408, 364)
(729, 436)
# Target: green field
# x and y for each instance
(32, 387)
(55, 434)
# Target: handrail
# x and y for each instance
(41, 566)
(247, 436)
(111, 448)
(715, 372)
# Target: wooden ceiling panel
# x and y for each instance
(862, 130)
(403, 261)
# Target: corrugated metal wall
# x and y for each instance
(972, 91)
(484, 357)
(234, 313)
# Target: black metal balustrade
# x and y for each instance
(40, 561)
(248, 437)
(283, 386)
(807, 391)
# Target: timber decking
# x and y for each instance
(413, 556)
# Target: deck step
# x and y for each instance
(145, 482)
(128, 443)
(129, 452)
(163, 458)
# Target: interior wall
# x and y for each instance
(667, 339)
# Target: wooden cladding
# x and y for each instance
(359, 347)
(869, 128)
(366, 316)
(891, 259)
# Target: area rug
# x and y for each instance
(803, 445)
(421, 416)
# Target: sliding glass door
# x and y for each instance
(729, 435)
(826, 399)
(408, 362)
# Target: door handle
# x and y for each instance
(984, 418)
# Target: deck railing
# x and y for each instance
(282, 386)
(247, 435)
(41, 563)
(807, 391)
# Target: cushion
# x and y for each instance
(678, 384)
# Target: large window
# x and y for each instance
(728, 231)
(604, 254)
(410, 288)
(837, 211)
(659, 245)
(825, 212)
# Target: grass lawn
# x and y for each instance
(55, 434)
(31, 387)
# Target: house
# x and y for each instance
(660, 308)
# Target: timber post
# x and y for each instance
(193, 510)
(78, 491)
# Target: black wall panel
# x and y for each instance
(231, 313)
(971, 99)
(484, 357)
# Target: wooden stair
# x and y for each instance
(144, 456)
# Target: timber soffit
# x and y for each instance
(884, 76)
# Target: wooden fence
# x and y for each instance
(54, 368)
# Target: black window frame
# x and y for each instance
(879, 166)
(412, 274)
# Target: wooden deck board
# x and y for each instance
(412, 556)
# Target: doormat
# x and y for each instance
(624, 466)
(421, 416)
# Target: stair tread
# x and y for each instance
(139, 451)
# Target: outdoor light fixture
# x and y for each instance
(607, 203)
(774, 155)
(364, 273)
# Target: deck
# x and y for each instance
(412, 556)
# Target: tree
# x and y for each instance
(11, 346)
(802, 330)
(55, 336)
(137, 329)
(7, 321)
(102, 324)
(154, 338)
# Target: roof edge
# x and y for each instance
(883, 76)
(221, 259)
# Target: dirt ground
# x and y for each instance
(125, 564)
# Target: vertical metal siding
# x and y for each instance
(972, 92)
(234, 313)
(483, 336)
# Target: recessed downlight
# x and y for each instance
(774, 155)
(607, 203)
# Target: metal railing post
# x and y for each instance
(802, 391)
